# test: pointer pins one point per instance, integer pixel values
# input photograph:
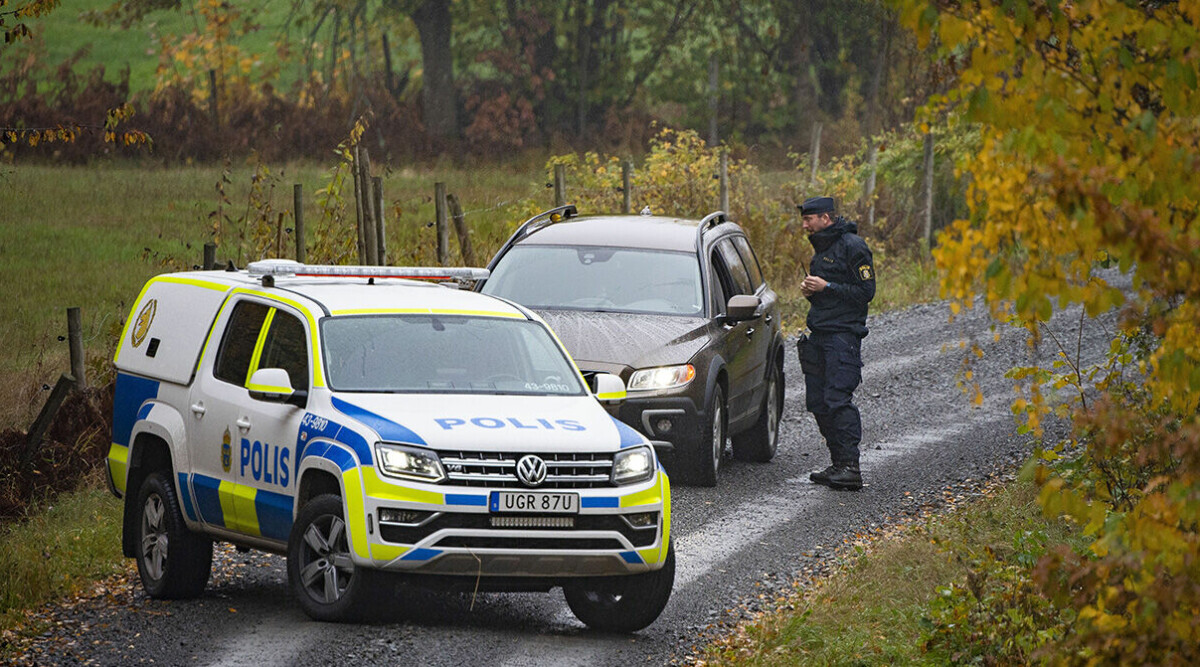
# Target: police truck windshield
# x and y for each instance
(599, 279)
(444, 353)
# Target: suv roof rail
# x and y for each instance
(711, 220)
(533, 224)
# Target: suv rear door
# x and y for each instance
(768, 324)
(740, 338)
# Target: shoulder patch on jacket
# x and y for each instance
(864, 272)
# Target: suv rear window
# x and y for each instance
(737, 270)
(750, 260)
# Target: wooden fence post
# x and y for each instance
(626, 168)
(370, 235)
(380, 235)
(460, 228)
(34, 437)
(358, 205)
(210, 257)
(560, 185)
(75, 341)
(443, 231)
(298, 208)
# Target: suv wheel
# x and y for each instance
(322, 576)
(759, 443)
(173, 562)
(622, 604)
(705, 461)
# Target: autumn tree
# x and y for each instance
(1090, 114)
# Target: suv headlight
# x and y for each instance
(665, 377)
(633, 465)
(409, 462)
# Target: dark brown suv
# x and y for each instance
(677, 308)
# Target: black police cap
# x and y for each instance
(816, 205)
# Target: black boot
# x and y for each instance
(845, 477)
(822, 476)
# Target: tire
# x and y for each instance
(622, 604)
(704, 462)
(172, 561)
(759, 443)
(321, 573)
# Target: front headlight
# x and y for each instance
(409, 462)
(665, 377)
(633, 465)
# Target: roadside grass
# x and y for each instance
(63, 547)
(872, 610)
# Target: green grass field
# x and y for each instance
(64, 31)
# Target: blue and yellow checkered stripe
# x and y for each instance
(240, 508)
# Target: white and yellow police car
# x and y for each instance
(364, 424)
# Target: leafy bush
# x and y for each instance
(998, 615)
(1081, 166)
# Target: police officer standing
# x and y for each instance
(839, 285)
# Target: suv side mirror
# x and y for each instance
(610, 389)
(742, 307)
(273, 385)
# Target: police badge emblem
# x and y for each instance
(865, 271)
(226, 452)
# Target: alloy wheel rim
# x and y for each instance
(154, 537)
(718, 431)
(773, 411)
(326, 568)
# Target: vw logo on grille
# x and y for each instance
(531, 470)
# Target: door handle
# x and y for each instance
(198, 409)
(243, 423)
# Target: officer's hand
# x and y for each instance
(812, 285)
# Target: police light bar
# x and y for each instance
(287, 267)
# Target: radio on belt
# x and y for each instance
(367, 424)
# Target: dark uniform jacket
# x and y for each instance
(844, 261)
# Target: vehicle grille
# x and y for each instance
(565, 470)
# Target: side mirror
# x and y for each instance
(742, 307)
(610, 389)
(274, 386)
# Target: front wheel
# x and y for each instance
(705, 461)
(322, 576)
(758, 444)
(623, 604)
(172, 561)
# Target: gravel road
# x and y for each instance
(763, 526)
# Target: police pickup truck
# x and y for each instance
(364, 424)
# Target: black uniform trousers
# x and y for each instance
(832, 365)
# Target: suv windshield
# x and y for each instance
(599, 279)
(444, 353)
